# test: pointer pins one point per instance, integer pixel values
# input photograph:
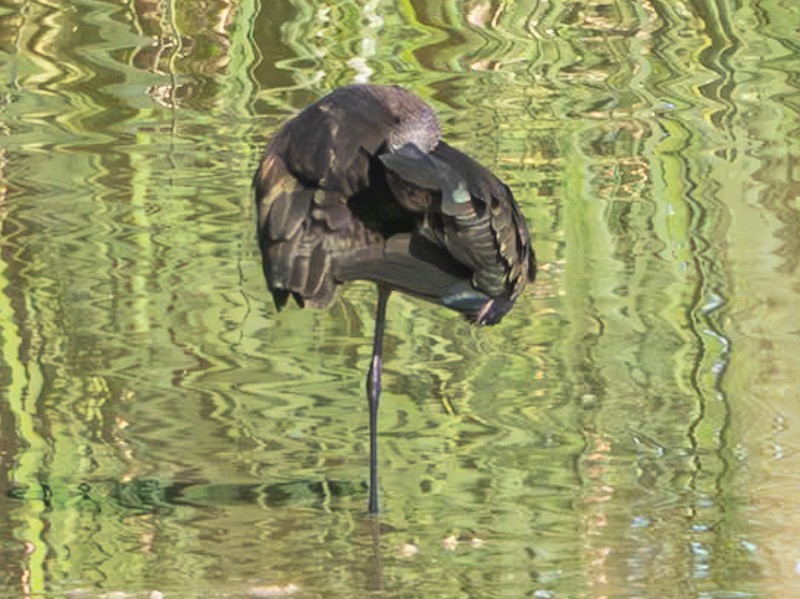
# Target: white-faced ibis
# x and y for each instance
(359, 185)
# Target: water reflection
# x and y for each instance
(628, 432)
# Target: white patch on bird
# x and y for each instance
(331, 158)
(461, 195)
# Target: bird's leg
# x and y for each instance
(373, 395)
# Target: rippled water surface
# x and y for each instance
(631, 429)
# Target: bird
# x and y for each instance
(360, 186)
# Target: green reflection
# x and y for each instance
(626, 431)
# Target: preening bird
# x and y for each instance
(360, 185)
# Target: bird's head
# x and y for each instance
(421, 131)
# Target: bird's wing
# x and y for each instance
(331, 143)
(311, 169)
(476, 219)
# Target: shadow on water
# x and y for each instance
(151, 495)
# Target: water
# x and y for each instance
(629, 430)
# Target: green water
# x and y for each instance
(629, 430)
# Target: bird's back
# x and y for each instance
(359, 186)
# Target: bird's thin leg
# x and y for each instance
(373, 395)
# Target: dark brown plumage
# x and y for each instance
(359, 185)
